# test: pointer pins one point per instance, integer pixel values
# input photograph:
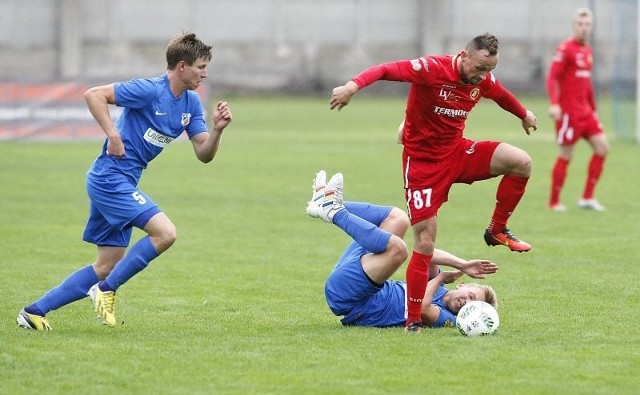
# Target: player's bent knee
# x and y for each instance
(164, 238)
(525, 165)
(519, 165)
(400, 222)
(170, 236)
(398, 249)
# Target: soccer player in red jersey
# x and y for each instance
(436, 154)
(573, 107)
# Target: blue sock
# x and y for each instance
(134, 261)
(369, 212)
(362, 231)
(74, 287)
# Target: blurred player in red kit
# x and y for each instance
(436, 154)
(573, 107)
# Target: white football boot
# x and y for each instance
(332, 199)
(591, 204)
(319, 184)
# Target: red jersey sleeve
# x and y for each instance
(385, 71)
(555, 72)
(506, 99)
(401, 71)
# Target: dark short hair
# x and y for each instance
(186, 47)
(484, 41)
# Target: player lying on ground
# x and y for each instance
(359, 288)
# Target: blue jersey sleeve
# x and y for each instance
(445, 319)
(197, 123)
(135, 93)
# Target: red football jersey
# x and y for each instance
(438, 102)
(569, 80)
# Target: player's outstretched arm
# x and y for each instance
(476, 268)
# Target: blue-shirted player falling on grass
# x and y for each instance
(359, 288)
(156, 111)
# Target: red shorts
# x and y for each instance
(571, 128)
(427, 183)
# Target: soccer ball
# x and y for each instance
(477, 318)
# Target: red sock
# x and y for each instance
(594, 171)
(510, 191)
(417, 276)
(558, 175)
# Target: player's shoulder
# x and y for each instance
(144, 84)
(429, 63)
(140, 90)
(567, 45)
(159, 80)
(194, 101)
(490, 80)
(439, 61)
(439, 295)
(191, 94)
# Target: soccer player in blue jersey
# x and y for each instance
(359, 288)
(156, 111)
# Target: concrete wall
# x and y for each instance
(299, 45)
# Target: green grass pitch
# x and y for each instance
(237, 304)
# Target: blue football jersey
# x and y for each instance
(445, 318)
(384, 309)
(389, 308)
(152, 118)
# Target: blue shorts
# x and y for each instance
(348, 286)
(350, 293)
(116, 207)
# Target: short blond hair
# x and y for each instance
(489, 294)
(583, 12)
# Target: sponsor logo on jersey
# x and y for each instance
(448, 95)
(156, 138)
(186, 118)
(450, 112)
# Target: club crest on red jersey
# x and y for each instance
(475, 93)
(186, 118)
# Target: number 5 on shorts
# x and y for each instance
(139, 198)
